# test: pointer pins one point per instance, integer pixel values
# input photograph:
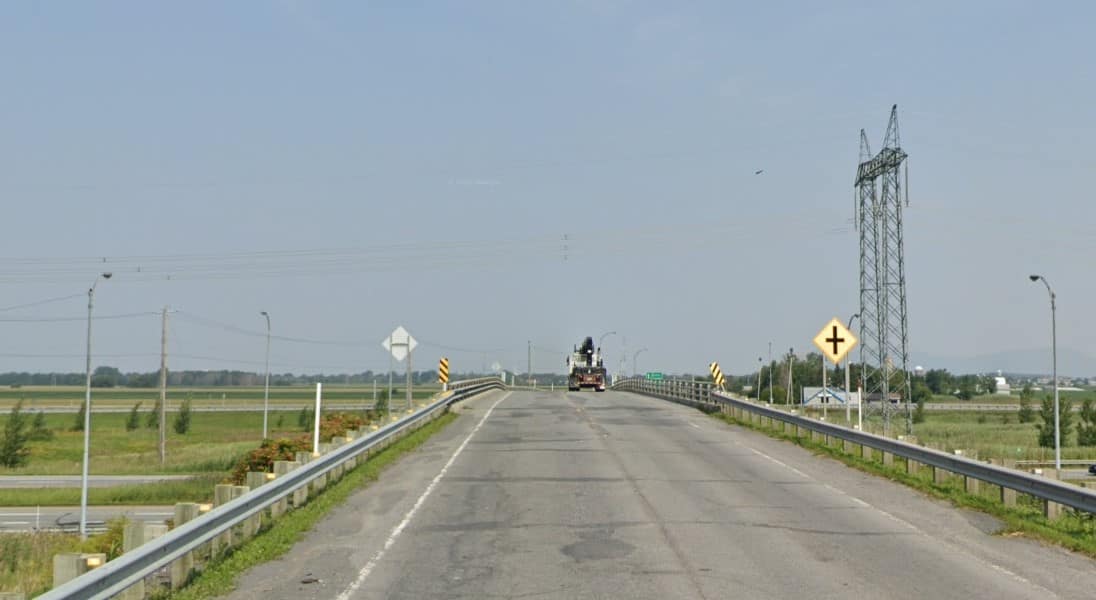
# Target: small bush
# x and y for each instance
(13, 444)
(134, 420)
(39, 432)
(78, 422)
(182, 418)
(152, 419)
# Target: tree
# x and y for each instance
(1065, 421)
(78, 423)
(182, 418)
(919, 412)
(1026, 414)
(1086, 429)
(13, 446)
(382, 402)
(152, 419)
(939, 381)
(134, 420)
(39, 431)
(967, 387)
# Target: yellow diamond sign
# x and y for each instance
(835, 340)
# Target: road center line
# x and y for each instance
(372, 564)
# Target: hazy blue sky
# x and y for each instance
(487, 173)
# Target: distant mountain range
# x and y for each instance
(1071, 363)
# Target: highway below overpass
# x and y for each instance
(614, 495)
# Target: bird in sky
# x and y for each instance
(759, 171)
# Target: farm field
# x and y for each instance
(988, 434)
(51, 397)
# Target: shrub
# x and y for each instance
(134, 420)
(182, 418)
(13, 445)
(38, 431)
(262, 458)
(78, 422)
(152, 419)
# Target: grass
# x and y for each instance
(35, 397)
(988, 434)
(26, 559)
(198, 489)
(220, 577)
(215, 441)
(1075, 531)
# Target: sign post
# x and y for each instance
(399, 344)
(834, 341)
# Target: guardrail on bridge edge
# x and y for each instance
(128, 569)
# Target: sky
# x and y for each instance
(495, 175)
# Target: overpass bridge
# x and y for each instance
(539, 494)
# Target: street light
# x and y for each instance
(603, 336)
(770, 375)
(87, 419)
(848, 409)
(759, 381)
(634, 356)
(266, 385)
(1054, 354)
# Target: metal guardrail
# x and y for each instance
(129, 568)
(701, 394)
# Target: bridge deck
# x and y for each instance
(585, 495)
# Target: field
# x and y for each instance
(215, 440)
(53, 397)
(988, 434)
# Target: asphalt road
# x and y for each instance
(584, 495)
(26, 518)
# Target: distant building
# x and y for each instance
(919, 371)
(1000, 386)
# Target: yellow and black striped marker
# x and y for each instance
(717, 375)
(443, 370)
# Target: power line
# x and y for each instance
(41, 302)
(70, 319)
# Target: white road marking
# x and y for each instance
(694, 424)
(372, 564)
(16, 523)
(899, 520)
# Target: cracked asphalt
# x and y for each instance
(613, 495)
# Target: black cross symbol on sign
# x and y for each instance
(834, 340)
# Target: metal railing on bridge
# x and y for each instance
(132, 567)
(703, 395)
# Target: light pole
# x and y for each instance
(266, 384)
(759, 381)
(634, 356)
(1054, 355)
(848, 409)
(602, 339)
(770, 375)
(87, 419)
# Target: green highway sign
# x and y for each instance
(654, 376)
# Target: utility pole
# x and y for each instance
(770, 375)
(791, 364)
(391, 368)
(529, 368)
(163, 389)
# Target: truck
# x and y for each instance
(585, 369)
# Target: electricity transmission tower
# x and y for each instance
(884, 330)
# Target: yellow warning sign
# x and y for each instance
(717, 375)
(443, 370)
(835, 340)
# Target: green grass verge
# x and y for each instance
(220, 577)
(198, 489)
(1073, 530)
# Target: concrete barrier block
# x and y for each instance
(70, 565)
(255, 479)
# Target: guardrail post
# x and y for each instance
(181, 567)
(1051, 510)
(135, 534)
(255, 479)
(866, 453)
(222, 494)
(282, 468)
(70, 565)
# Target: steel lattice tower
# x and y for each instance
(884, 329)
